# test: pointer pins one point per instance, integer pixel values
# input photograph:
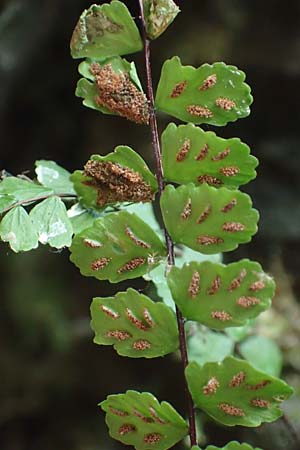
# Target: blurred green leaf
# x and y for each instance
(159, 14)
(117, 247)
(138, 419)
(104, 31)
(193, 155)
(234, 393)
(208, 346)
(135, 325)
(22, 190)
(51, 222)
(239, 333)
(17, 229)
(53, 176)
(207, 219)
(6, 201)
(82, 218)
(233, 445)
(214, 94)
(218, 295)
(263, 353)
(120, 176)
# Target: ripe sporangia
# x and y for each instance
(178, 89)
(116, 183)
(119, 94)
(211, 387)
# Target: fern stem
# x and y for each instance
(169, 242)
(37, 199)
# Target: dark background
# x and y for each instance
(51, 374)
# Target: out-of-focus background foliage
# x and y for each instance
(51, 374)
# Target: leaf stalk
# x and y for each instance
(169, 242)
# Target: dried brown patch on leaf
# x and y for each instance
(247, 302)
(236, 282)
(199, 111)
(110, 312)
(184, 150)
(194, 285)
(187, 210)
(232, 227)
(237, 379)
(225, 103)
(118, 93)
(178, 89)
(210, 180)
(231, 410)
(229, 206)
(229, 171)
(209, 82)
(223, 316)
(135, 239)
(203, 153)
(100, 263)
(215, 286)
(209, 240)
(211, 386)
(119, 335)
(95, 25)
(141, 345)
(116, 183)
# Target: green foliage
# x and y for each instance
(159, 14)
(138, 419)
(234, 393)
(205, 216)
(53, 176)
(135, 325)
(220, 296)
(17, 190)
(117, 247)
(207, 219)
(214, 94)
(190, 154)
(233, 445)
(263, 353)
(117, 177)
(82, 218)
(51, 223)
(16, 229)
(205, 345)
(158, 274)
(104, 31)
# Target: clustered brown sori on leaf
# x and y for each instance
(118, 93)
(115, 183)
